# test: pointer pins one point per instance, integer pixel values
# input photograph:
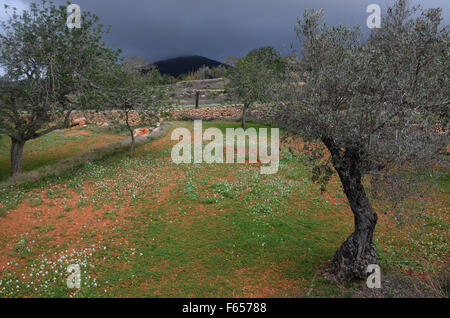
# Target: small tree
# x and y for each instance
(218, 71)
(47, 66)
(251, 77)
(128, 90)
(203, 73)
(373, 105)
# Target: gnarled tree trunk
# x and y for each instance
(17, 146)
(358, 251)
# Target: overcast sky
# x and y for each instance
(159, 29)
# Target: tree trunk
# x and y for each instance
(244, 115)
(16, 156)
(358, 251)
(132, 144)
(197, 97)
(127, 121)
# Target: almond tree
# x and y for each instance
(47, 70)
(374, 105)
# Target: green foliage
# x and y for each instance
(127, 89)
(204, 73)
(49, 70)
(375, 104)
(252, 78)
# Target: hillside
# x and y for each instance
(184, 64)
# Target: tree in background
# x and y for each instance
(219, 71)
(48, 67)
(128, 90)
(205, 73)
(251, 78)
(374, 106)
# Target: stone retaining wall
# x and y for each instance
(232, 112)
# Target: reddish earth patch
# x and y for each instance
(141, 132)
(74, 132)
(165, 192)
(267, 283)
(89, 143)
(28, 221)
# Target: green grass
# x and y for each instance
(195, 230)
(51, 148)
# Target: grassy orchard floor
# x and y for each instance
(51, 148)
(145, 227)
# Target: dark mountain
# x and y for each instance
(184, 64)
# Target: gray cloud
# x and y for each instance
(157, 29)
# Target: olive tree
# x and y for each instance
(250, 77)
(128, 90)
(47, 67)
(373, 104)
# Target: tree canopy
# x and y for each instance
(126, 88)
(252, 78)
(373, 105)
(49, 66)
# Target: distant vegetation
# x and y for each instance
(185, 65)
(205, 73)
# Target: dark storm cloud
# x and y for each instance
(157, 29)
